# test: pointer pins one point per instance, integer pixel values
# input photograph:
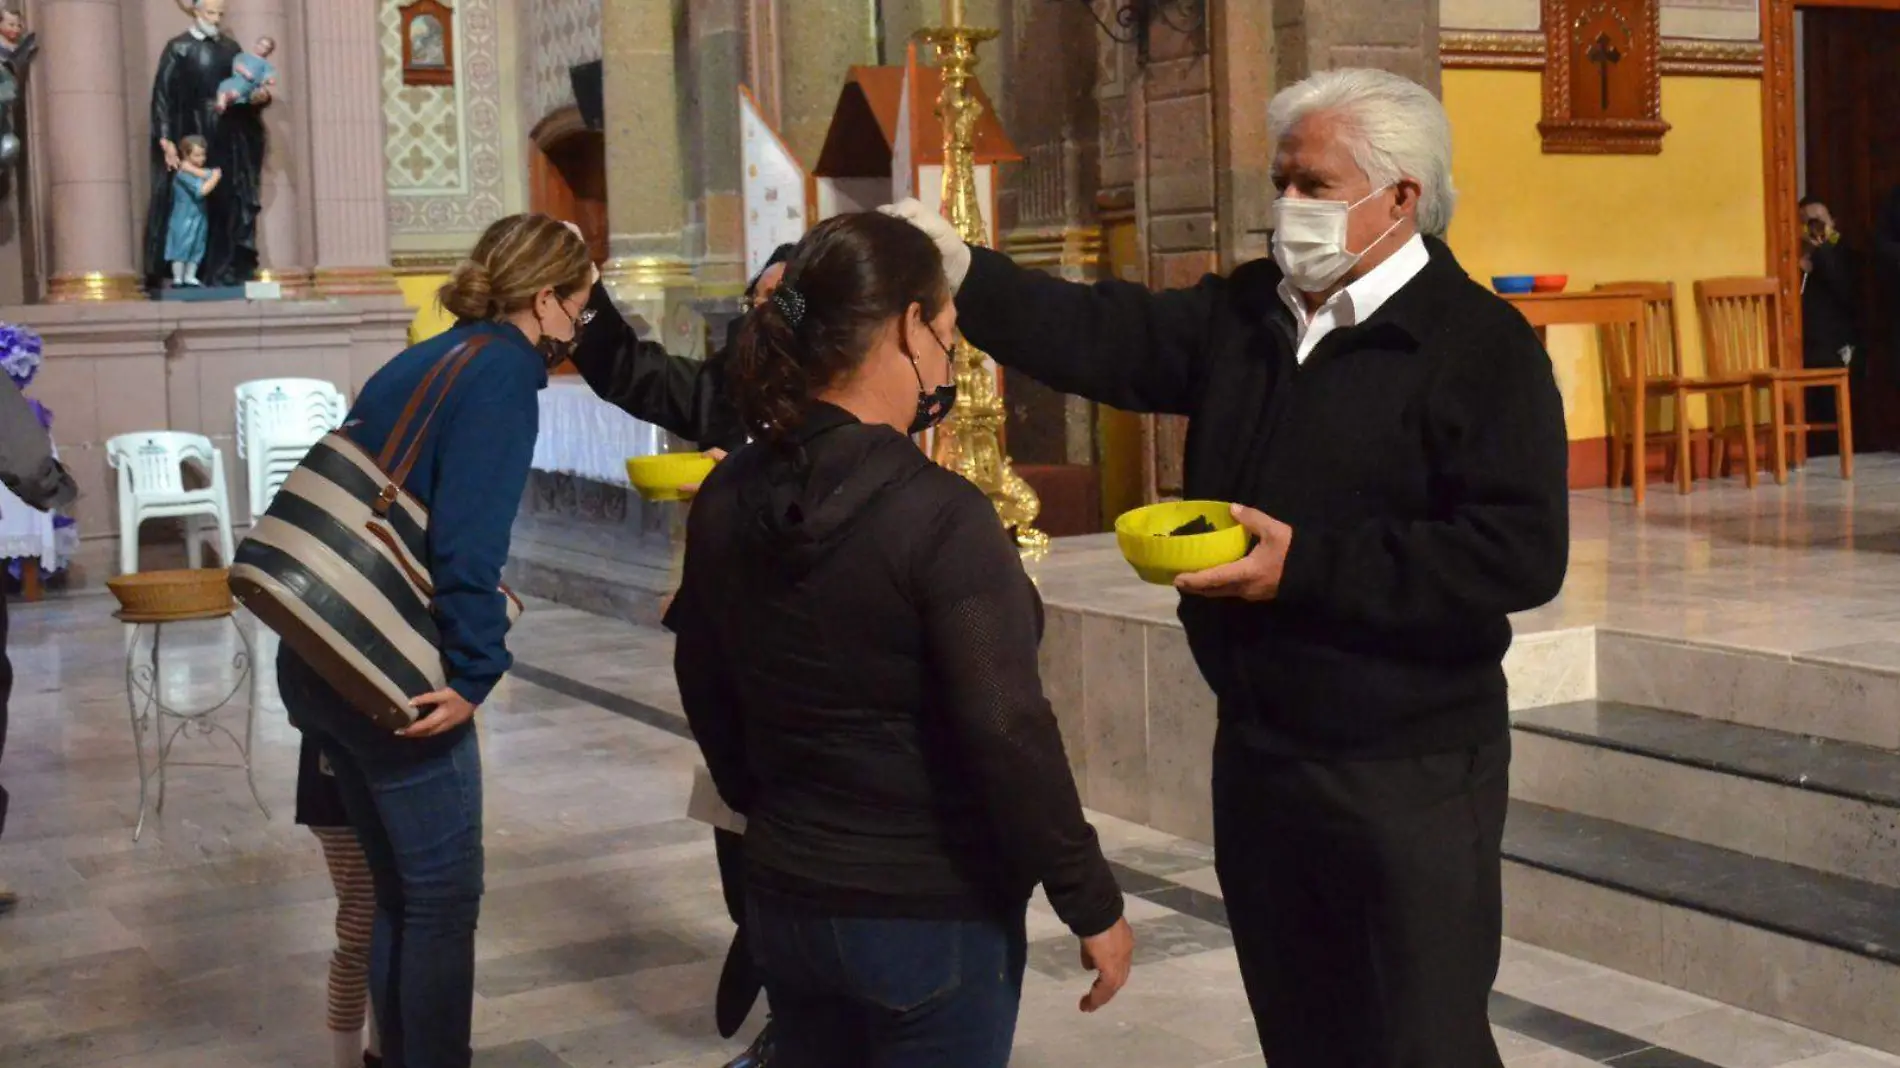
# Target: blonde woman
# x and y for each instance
(415, 798)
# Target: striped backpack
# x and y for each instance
(338, 564)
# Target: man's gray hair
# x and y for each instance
(1393, 127)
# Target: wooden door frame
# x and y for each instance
(1780, 186)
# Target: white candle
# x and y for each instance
(953, 14)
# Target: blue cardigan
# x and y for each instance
(470, 475)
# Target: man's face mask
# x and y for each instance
(1309, 240)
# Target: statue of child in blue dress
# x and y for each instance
(186, 232)
(250, 71)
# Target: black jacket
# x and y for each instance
(1830, 303)
(857, 658)
(1420, 458)
(678, 395)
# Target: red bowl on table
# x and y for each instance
(1549, 283)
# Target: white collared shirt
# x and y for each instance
(1355, 303)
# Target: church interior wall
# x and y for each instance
(455, 154)
(1608, 218)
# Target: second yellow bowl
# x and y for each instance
(663, 477)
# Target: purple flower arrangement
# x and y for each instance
(20, 354)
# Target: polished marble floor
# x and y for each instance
(204, 943)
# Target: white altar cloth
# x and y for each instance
(26, 533)
(585, 436)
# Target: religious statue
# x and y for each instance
(186, 231)
(249, 72)
(17, 48)
(188, 100)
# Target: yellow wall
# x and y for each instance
(1693, 212)
(418, 291)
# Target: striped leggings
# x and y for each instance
(355, 918)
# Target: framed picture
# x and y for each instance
(428, 43)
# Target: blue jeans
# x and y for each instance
(860, 993)
(417, 808)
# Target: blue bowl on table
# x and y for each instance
(1514, 283)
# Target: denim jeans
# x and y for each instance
(863, 993)
(417, 808)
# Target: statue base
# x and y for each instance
(199, 294)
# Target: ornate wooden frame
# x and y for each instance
(1563, 131)
(445, 17)
(1779, 188)
(1524, 50)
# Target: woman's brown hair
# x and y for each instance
(848, 277)
(516, 258)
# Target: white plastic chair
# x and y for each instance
(278, 419)
(152, 486)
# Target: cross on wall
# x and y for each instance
(1604, 53)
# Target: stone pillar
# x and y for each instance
(344, 57)
(1396, 35)
(1243, 47)
(89, 189)
(646, 194)
(282, 227)
(716, 234)
(820, 41)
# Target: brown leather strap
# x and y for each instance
(400, 476)
(392, 446)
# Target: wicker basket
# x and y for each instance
(156, 596)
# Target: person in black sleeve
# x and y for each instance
(1392, 435)
(679, 395)
(857, 658)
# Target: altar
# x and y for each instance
(582, 536)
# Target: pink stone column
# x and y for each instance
(281, 227)
(81, 74)
(346, 137)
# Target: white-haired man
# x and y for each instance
(1394, 440)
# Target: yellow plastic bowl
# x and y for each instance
(1158, 557)
(661, 478)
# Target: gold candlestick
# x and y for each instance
(970, 441)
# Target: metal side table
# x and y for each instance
(150, 714)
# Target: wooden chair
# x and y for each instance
(1635, 377)
(1741, 336)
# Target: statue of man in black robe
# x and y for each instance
(185, 102)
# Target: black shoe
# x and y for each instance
(8, 901)
(371, 1060)
(758, 1054)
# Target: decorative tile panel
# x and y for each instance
(443, 151)
(563, 33)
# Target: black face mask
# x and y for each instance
(555, 352)
(933, 405)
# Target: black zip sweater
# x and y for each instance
(1420, 458)
(857, 659)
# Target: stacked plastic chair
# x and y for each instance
(278, 419)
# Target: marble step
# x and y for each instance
(1809, 947)
(1828, 805)
(1848, 694)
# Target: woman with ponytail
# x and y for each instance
(414, 798)
(857, 657)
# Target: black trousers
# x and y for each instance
(1366, 903)
(6, 693)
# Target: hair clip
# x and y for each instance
(790, 303)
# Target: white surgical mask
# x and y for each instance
(1309, 240)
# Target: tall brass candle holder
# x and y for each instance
(970, 441)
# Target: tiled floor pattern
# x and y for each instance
(204, 945)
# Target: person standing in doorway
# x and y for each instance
(1391, 434)
(28, 468)
(1830, 307)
